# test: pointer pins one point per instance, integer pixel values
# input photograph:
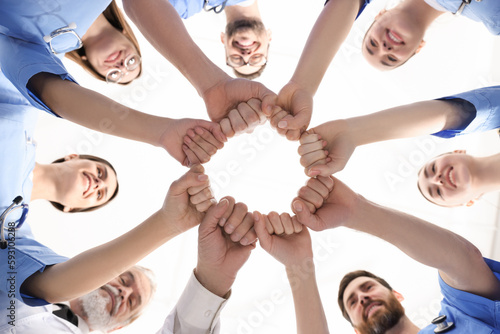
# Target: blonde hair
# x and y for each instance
(116, 18)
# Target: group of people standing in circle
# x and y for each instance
(103, 288)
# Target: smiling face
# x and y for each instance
(391, 40)
(372, 307)
(114, 304)
(109, 51)
(446, 179)
(85, 183)
(246, 42)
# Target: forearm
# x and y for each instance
(97, 266)
(326, 37)
(95, 111)
(309, 313)
(459, 261)
(412, 120)
(161, 25)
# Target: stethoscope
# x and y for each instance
(13, 207)
(216, 9)
(442, 326)
(462, 6)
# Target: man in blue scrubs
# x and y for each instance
(246, 39)
(469, 283)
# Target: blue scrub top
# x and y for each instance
(187, 8)
(24, 23)
(470, 313)
(366, 2)
(485, 11)
(24, 256)
(486, 102)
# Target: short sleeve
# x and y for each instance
(363, 6)
(20, 60)
(483, 107)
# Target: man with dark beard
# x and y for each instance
(470, 284)
(246, 39)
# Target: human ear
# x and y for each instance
(71, 157)
(382, 12)
(398, 295)
(470, 203)
(84, 58)
(67, 209)
(356, 331)
(223, 37)
(269, 35)
(420, 46)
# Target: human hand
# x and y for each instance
(219, 258)
(192, 141)
(177, 206)
(238, 223)
(326, 149)
(319, 212)
(297, 105)
(290, 249)
(244, 118)
(226, 94)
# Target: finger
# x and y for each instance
(327, 181)
(190, 155)
(269, 227)
(268, 99)
(311, 147)
(226, 127)
(286, 221)
(245, 225)
(297, 226)
(325, 169)
(297, 122)
(196, 189)
(237, 122)
(310, 158)
(209, 137)
(249, 116)
(205, 205)
(319, 187)
(201, 196)
(305, 217)
(261, 231)
(256, 105)
(311, 196)
(214, 214)
(228, 212)
(250, 237)
(275, 221)
(203, 139)
(309, 206)
(192, 178)
(200, 153)
(239, 212)
(277, 117)
(293, 135)
(309, 137)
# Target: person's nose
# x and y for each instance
(98, 183)
(387, 46)
(125, 292)
(437, 178)
(364, 299)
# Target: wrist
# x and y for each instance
(213, 281)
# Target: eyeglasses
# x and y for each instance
(64, 39)
(115, 75)
(216, 9)
(13, 207)
(236, 61)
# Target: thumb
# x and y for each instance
(194, 177)
(304, 216)
(213, 215)
(268, 99)
(324, 170)
(289, 122)
(261, 231)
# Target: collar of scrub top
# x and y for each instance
(217, 9)
(13, 207)
(63, 39)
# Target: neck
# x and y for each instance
(96, 29)
(235, 12)
(45, 179)
(419, 12)
(404, 326)
(485, 175)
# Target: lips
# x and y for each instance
(372, 308)
(113, 57)
(89, 184)
(450, 177)
(394, 38)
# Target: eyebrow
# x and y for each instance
(386, 64)
(105, 176)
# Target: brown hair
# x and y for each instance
(348, 278)
(60, 207)
(116, 18)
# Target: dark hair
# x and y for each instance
(116, 18)
(348, 278)
(60, 207)
(250, 76)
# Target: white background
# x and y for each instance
(458, 57)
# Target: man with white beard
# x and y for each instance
(112, 306)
